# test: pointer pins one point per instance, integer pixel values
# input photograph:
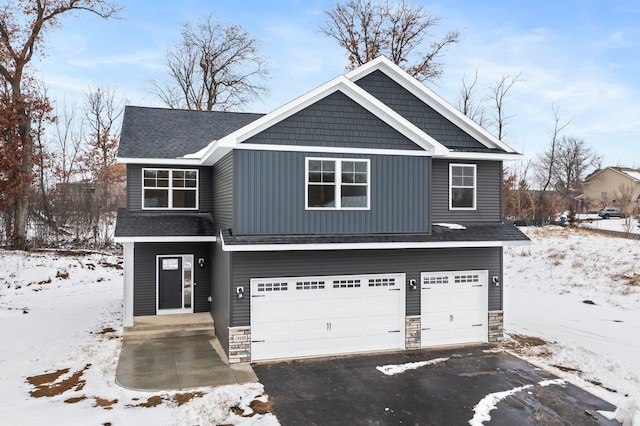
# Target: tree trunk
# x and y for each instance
(22, 203)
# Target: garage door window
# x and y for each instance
(430, 280)
(346, 283)
(462, 186)
(272, 287)
(309, 285)
(337, 184)
(463, 279)
(382, 282)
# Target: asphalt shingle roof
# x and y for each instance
(163, 224)
(472, 233)
(173, 133)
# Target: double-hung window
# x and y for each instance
(169, 189)
(462, 186)
(337, 184)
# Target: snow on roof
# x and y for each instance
(451, 225)
(634, 174)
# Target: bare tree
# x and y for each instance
(22, 24)
(467, 103)
(628, 202)
(499, 93)
(216, 67)
(367, 29)
(573, 160)
(546, 162)
(544, 168)
(103, 111)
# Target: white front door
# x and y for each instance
(308, 316)
(174, 284)
(454, 307)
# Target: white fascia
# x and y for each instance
(423, 93)
(350, 89)
(168, 239)
(161, 161)
(484, 156)
(369, 246)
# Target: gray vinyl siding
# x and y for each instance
(488, 197)
(416, 111)
(134, 187)
(336, 120)
(270, 196)
(220, 286)
(223, 194)
(144, 276)
(319, 263)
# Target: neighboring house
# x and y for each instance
(364, 215)
(611, 187)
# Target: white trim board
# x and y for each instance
(167, 239)
(368, 246)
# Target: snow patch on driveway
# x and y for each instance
(490, 402)
(393, 369)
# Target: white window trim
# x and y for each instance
(170, 188)
(337, 184)
(475, 186)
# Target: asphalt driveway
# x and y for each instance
(350, 390)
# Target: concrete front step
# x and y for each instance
(163, 326)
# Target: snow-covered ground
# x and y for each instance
(60, 328)
(580, 292)
(616, 224)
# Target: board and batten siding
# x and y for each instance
(488, 197)
(417, 112)
(270, 196)
(134, 187)
(220, 293)
(336, 121)
(144, 275)
(223, 197)
(247, 265)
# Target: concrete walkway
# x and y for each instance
(177, 363)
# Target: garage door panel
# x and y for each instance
(326, 315)
(454, 307)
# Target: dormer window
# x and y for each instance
(462, 186)
(169, 189)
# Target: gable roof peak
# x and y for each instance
(430, 98)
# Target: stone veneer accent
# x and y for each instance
(496, 325)
(413, 332)
(239, 344)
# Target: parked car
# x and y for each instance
(608, 212)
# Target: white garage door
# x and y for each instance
(306, 316)
(454, 307)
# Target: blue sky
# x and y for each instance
(581, 56)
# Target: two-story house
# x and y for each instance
(611, 187)
(364, 215)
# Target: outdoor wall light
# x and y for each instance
(240, 292)
(496, 281)
(413, 284)
(201, 262)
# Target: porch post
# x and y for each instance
(127, 309)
